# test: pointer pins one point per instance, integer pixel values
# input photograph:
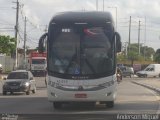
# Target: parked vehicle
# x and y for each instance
(152, 70)
(37, 63)
(119, 75)
(19, 81)
(127, 71)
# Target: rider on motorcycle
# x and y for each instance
(119, 74)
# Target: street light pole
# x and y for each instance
(145, 40)
(139, 37)
(25, 36)
(129, 39)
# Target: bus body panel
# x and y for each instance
(90, 89)
(81, 57)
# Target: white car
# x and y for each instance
(152, 70)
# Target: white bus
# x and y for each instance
(81, 58)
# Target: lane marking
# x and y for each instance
(157, 98)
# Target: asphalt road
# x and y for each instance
(131, 99)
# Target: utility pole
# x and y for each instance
(139, 37)
(145, 40)
(129, 41)
(25, 36)
(16, 32)
(96, 5)
(103, 5)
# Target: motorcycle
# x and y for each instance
(119, 78)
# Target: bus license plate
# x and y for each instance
(80, 95)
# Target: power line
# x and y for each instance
(32, 41)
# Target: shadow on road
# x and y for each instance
(13, 94)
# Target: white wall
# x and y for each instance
(7, 63)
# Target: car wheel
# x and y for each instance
(110, 104)
(28, 92)
(57, 105)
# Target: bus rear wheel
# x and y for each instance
(110, 104)
(57, 105)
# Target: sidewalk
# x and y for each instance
(153, 84)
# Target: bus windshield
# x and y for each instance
(85, 51)
(38, 61)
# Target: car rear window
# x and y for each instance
(18, 75)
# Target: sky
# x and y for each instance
(39, 12)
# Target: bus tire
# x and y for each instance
(110, 104)
(57, 105)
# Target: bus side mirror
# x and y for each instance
(41, 45)
(118, 42)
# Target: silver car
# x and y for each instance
(127, 71)
(19, 81)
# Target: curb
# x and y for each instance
(148, 86)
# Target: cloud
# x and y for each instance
(91, 5)
(39, 12)
(31, 17)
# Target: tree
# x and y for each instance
(145, 51)
(132, 56)
(7, 45)
(157, 56)
(133, 47)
